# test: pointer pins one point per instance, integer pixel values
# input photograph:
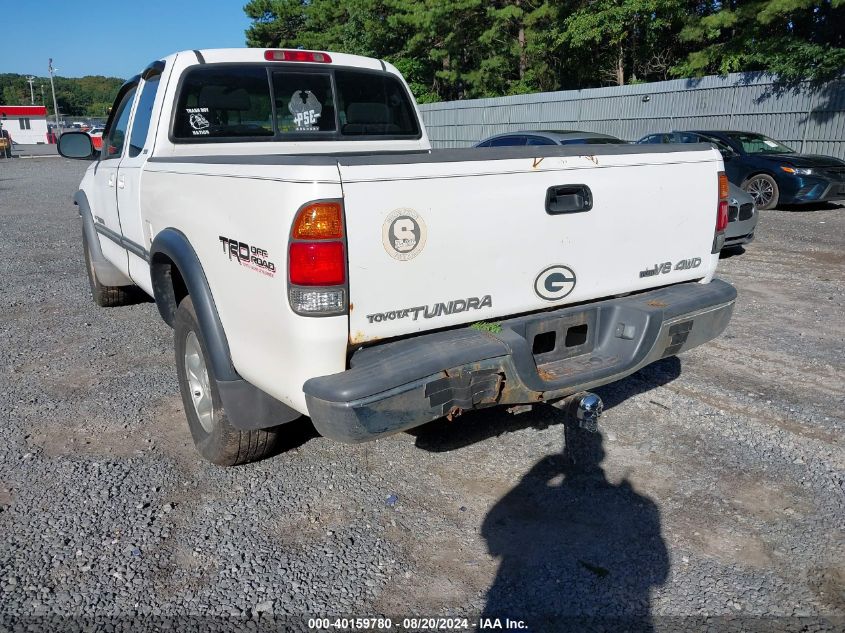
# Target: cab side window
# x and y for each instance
(143, 113)
(113, 144)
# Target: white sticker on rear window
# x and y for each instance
(770, 143)
(306, 110)
(199, 123)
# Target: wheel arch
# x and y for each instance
(176, 271)
(758, 172)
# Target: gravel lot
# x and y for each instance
(715, 488)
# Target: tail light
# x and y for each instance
(722, 218)
(721, 213)
(317, 283)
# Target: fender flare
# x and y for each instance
(107, 273)
(173, 244)
(247, 406)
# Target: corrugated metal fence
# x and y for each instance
(807, 119)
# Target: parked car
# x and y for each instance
(742, 218)
(768, 170)
(549, 137)
(255, 228)
(96, 135)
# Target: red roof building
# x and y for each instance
(27, 125)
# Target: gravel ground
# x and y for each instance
(713, 496)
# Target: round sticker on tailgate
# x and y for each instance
(554, 283)
(403, 234)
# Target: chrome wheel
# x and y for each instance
(198, 382)
(761, 190)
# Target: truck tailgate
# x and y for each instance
(435, 243)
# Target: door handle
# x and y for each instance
(121, 182)
(568, 199)
(111, 180)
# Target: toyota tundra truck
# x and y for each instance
(315, 257)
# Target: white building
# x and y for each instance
(27, 125)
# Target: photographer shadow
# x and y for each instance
(578, 553)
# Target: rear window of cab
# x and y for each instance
(290, 102)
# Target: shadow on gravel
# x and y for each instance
(135, 296)
(815, 206)
(293, 435)
(731, 251)
(577, 552)
(477, 426)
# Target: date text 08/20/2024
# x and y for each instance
(416, 624)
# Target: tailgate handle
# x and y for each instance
(568, 199)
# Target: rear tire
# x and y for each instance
(105, 296)
(764, 190)
(216, 439)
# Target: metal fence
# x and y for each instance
(810, 120)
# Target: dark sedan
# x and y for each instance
(769, 171)
(549, 137)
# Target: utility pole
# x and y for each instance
(30, 80)
(55, 105)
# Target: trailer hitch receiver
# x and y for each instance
(585, 407)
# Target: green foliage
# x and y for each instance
(82, 96)
(793, 39)
(455, 49)
(486, 326)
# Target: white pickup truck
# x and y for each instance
(316, 257)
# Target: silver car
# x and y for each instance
(742, 218)
(549, 137)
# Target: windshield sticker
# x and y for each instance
(403, 234)
(770, 143)
(306, 109)
(199, 124)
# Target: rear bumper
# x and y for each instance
(535, 358)
(741, 231)
(738, 240)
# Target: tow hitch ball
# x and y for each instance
(586, 407)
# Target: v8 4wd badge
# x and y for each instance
(666, 267)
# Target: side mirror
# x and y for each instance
(77, 145)
(727, 154)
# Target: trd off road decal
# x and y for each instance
(666, 267)
(403, 234)
(199, 122)
(555, 282)
(306, 110)
(252, 257)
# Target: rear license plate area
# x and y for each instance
(562, 337)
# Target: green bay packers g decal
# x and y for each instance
(403, 234)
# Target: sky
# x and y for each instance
(116, 38)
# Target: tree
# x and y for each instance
(517, 52)
(793, 39)
(624, 39)
(91, 95)
(458, 49)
